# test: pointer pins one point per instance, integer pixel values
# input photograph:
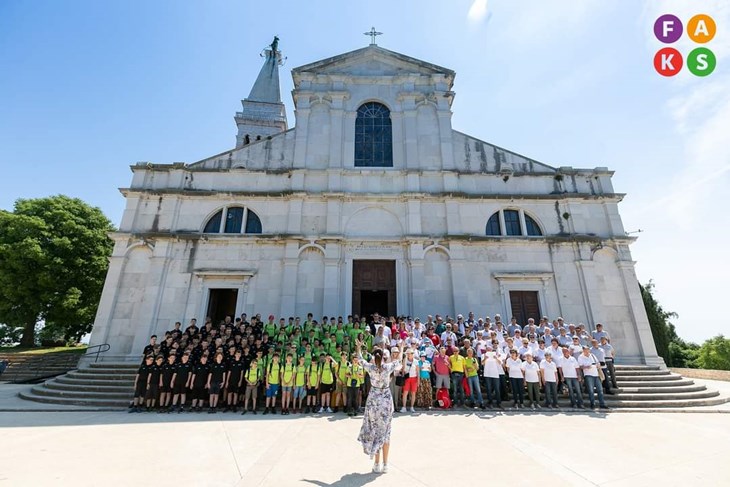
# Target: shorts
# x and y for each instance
(326, 388)
(141, 389)
(272, 390)
(166, 388)
(287, 388)
(312, 391)
(340, 388)
(300, 392)
(200, 393)
(411, 384)
(443, 381)
(215, 388)
(152, 391)
(179, 388)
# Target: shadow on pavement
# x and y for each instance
(347, 480)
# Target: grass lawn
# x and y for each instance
(41, 350)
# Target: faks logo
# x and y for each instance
(668, 29)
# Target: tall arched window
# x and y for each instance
(512, 223)
(373, 136)
(230, 220)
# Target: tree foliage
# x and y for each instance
(53, 260)
(714, 354)
(661, 328)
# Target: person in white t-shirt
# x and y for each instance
(589, 365)
(569, 367)
(516, 379)
(531, 372)
(493, 368)
(549, 379)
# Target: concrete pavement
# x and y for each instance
(116, 448)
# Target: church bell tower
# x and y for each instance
(263, 113)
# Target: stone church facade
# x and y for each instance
(372, 202)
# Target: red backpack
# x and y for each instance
(443, 399)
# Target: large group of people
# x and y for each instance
(295, 366)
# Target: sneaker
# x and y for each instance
(254, 411)
(385, 468)
(377, 468)
(244, 412)
(329, 410)
(266, 410)
(403, 409)
(321, 410)
(604, 407)
(413, 410)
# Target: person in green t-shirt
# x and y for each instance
(326, 383)
(300, 384)
(313, 370)
(341, 382)
(355, 381)
(252, 378)
(339, 334)
(471, 370)
(273, 379)
(288, 372)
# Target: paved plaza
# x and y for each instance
(460, 449)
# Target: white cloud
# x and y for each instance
(477, 11)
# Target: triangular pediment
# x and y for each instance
(373, 61)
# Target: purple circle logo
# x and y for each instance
(668, 28)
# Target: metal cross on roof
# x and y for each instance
(372, 35)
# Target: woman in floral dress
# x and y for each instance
(375, 432)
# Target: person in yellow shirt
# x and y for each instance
(341, 383)
(458, 366)
(313, 370)
(252, 378)
(355, 381)
(288, 372)
(300, 388)
(273, 379)
(326, 383)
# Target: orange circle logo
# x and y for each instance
(701, 28)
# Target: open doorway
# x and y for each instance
(222, 303)
(373, 287)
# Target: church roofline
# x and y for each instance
(561, 169)
(377, 49)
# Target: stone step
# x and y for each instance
(642, 373)
(85, 386)
(106, 371)
(109, 377)
(637, 367)
(68, 379)
(648, 378)
(663, 383)
(44, 391)
(664, 397)
(112, 365)
(661, 390)
(682, 403)
(114, 404)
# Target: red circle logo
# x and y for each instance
(668, 61)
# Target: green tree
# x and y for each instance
(53, 260)
(661, 328)
(715, 354)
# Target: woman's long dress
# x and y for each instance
(375, 430)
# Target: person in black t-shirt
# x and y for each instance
(141, 382)
(153, 390)
(149, 349)
(199, 381)
(181, 381)
(234, 379)
(216, 380)
(168, 371)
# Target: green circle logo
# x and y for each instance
(701, 61)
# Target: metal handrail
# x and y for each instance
(38, 365)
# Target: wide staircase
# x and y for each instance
(105, 385)
(26, 367)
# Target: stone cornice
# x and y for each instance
(328, 195)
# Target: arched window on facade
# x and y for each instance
(373, 136)
(231, 220)
(512, 223)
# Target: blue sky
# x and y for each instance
(88, 88)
